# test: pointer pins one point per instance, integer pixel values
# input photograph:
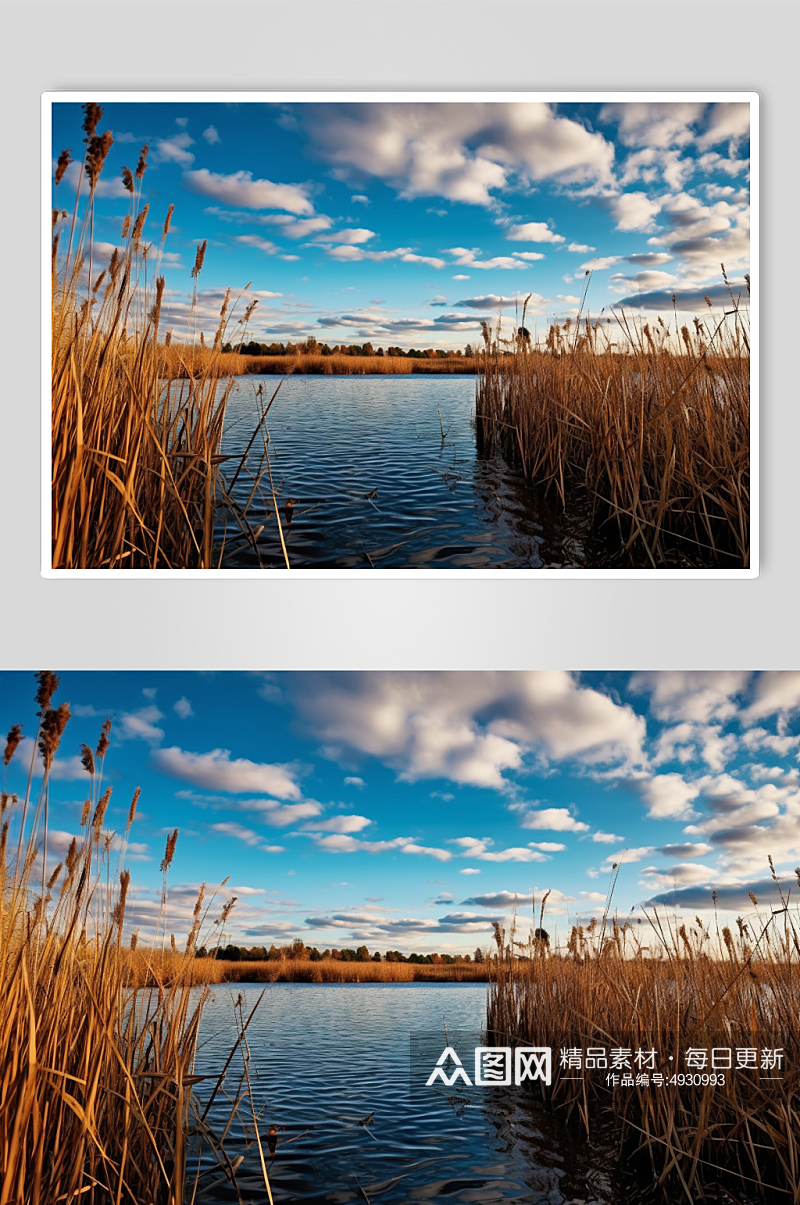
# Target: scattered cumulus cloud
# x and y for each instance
(468, 727)
(217, 770)
(239, 188)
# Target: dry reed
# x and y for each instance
(332, 970)
(654, 423)
(137, 477)
(685, 988)
(311, 364)
(96, 1064)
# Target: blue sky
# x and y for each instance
(408, 223)
(406, 810)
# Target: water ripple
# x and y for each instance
(326, 1056)
(372, 481)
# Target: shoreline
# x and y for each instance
(324, 970)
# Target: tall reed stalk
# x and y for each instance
(136, 434)
(97, 1038)
(679, 987)
(653, 423)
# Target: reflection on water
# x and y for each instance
(330, 1075)
(363, 478)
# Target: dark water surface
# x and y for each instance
(373, 484)
(326, 1056)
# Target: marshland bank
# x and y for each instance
(323, 970)
(335, 364)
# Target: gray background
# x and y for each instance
(400, 44)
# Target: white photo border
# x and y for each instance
(105, 96)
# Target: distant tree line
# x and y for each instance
(310, 347)
(298, 950)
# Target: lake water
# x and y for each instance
(374, 484)
(326, 1056)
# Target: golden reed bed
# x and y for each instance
(97, 1103)
(302, 970)
(653, 423)
(679, 985)
(312, 364)
(137, 469)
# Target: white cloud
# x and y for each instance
(634, 211)
(654, 124)
(183, 708)
(606, 838)
(64, 769)
(278, 815)
(339, 824)
(696, 695)
(240, 188)
(106, 187)
(558, 820)
(775, 692)
(492, 301)
(758, 738)
(291, 227)
(648, 259)
(174, 150)
(343, 843)
(374, 927)
(351, 235)
(468, 727)
(353, 780)
(557, 901)
(468, 257)
(211, 135)
(580, 248)
(462, 152)
(255, 240)
(627, 855)
(232, 829)
(687, 742)
(478, 849)
(431, 260)
(641, 280)
(686, 849)
(668, 797)
(217, 771)
(727, 121)
(602, 262)
(351, 254)
(249, 837)
(469, 870)
(533, 232)
(141, 725)
(682, 874)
